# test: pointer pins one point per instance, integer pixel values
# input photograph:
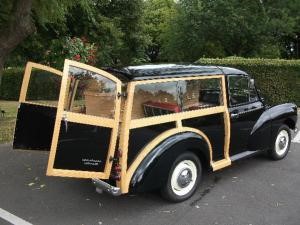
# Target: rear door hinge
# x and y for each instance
(124, 95)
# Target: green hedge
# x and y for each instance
(42, 86)
(278, 80)
(11, 84)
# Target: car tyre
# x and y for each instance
(281, 143)
(184, 178)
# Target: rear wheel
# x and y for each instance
(281, 143)
(183, 179)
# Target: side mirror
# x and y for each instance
(251, 84)
(260, 96)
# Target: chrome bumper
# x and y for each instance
(103, 186)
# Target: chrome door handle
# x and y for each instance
(234, 115)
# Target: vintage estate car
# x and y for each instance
(148, 127)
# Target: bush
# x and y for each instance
(11, 84)
(42, 85)
(278, 80)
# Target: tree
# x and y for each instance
(114, 26)
(157, 16)
(19, 18)
(231, 27)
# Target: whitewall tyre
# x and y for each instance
(184, 177)
(281, 143)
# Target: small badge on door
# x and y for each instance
(91, 162)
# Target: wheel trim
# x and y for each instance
(282, 142)
(184, 177)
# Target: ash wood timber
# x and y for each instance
(77, 174)
(175, 116)
(226, 121)
(40, 104)
(124, 137)
(221, 164)
(58, 118)
(90, 120)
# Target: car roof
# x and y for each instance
(159, 71)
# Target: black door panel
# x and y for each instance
(34, 127)
(243, 119)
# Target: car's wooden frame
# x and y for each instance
(126, 123)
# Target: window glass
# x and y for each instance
(43, 87)
(173, 97)
(90, 93)
(240, 90)
(253, 93)
(155, 99)
(199, 94)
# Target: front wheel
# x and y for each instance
(281, 144)
(183, 179)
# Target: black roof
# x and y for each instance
(155, 71)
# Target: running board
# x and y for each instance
(243, 155)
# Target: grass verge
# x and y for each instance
(7, 120)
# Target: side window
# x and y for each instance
(253, 93)
(199, 94)
(155, 99)
(240, 90)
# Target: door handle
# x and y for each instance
(65, 119)
(234, 115)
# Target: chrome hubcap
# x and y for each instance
(184, 177)
(282, 142)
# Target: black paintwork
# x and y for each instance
(140, 137)
(243, 119)
(82, 147)
(256, 129)
(277, 115)
(34, 127)
(213, 127)
(157, 71)
(153, 170)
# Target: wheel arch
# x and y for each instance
(291, 123)
(151, 166)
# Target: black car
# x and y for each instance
(150, 127)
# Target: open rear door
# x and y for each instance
(37, 110)
(87, 122)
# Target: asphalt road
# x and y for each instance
(254, 191)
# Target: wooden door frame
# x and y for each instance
(84, 119)
(26, 80)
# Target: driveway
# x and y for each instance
(254, 191)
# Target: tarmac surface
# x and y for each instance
(255, 191)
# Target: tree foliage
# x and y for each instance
(139, 31)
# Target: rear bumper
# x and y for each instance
(103, 186)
